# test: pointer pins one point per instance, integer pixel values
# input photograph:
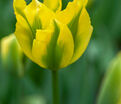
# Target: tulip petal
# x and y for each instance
(24, 35)
(46, 15)
(36, 10)
(65, 46)
(55, 5)
(82, 38)
(71, 16)
(32, 16)
(19, 5)
(53, 47)
(28, 21)
(84, 2)
(78, 21)
(68, 14)
(31, 10)
(24, 31)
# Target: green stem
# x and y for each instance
(55, 87)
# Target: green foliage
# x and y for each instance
(111, 89)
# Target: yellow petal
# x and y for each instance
(24, 35)
(35, 11)
(19, 5)
(78, 22)
(34, 14)
(65, 46)
(54, 5)
(67, 15)
(31, 10)
(53, 47)
(85, 2)
(21, 14)
(46, 15)
(83, 35)
(28, 21)
(41, 45)
(23, 32)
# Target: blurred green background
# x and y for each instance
(79, 83)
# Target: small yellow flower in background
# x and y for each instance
(11, 54)
(51, 37)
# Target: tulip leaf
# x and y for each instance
(110, 92)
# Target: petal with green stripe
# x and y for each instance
(53, 47)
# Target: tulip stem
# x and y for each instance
(55, 87)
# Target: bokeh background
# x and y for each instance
(79, 83)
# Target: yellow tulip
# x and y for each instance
(51, 37)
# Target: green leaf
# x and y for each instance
(110, 92)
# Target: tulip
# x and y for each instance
(51, 37)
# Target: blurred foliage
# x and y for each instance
(11, 55)
(34, 100)
(79, 83)
(110, 92)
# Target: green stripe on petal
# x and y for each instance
(83, 35)
(73, 25)
(24, 36)
(30, 18)
(50, 58)
(66, 46)
(43, 46)
(78, 21)
(53, 47)
(67, 15)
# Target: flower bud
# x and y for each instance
(11, 53)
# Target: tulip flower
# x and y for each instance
(51, 37)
